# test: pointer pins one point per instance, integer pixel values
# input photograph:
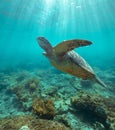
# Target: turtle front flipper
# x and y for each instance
(66, 46)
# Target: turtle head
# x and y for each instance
(45, 44)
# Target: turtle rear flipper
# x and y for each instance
(66, 46)
(99, 81)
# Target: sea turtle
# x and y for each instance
(65, 59)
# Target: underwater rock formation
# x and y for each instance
(32, 84)
(25, 92)
(86, 83)
(95, 108)
(17, 122)
(44, 108)
(20, 90)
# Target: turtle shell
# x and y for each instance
(74, 64)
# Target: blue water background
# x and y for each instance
(22, 21)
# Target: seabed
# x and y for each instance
(47, 99)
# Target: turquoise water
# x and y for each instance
(25, 74)
(21, 22)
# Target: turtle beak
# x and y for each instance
(40, 38)
(44, 53)
(42, 43)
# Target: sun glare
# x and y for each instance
(49, 2)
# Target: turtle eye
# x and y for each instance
(72, 48)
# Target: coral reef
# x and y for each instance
(86, 83)
(95, 108)
(17, 122)
(32, 84)
(24, 128)
(25, 92)
(46, 94)
(44, 108)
